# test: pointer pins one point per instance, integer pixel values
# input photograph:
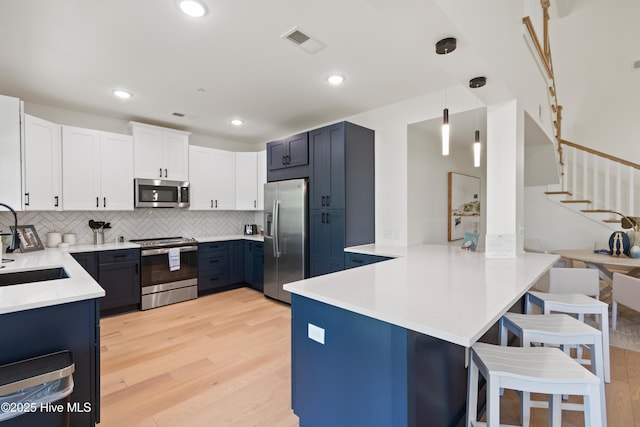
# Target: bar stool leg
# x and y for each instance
(472, 386)
(493, 406)
(555, 410)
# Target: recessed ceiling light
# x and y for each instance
(193, 8)
(236, 122)
(122, 94)
(335, 79)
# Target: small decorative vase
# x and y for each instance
(634, 252)
(634, 237)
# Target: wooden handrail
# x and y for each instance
(532, 32)
(600, 154)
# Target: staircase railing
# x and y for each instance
(606, 183)
(599, 182)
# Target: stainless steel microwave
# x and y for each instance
(158, 193)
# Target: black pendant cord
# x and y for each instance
(14, 234)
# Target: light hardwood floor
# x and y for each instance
(224, 360)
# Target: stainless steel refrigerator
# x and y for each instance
(285, 236)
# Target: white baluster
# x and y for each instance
(596, 182)
(630, 211)
(585, 175)
(618, 187)
(574, 171)
(607, 184)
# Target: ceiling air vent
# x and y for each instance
(178, 114)
(302, 40)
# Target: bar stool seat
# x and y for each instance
(530, 369)
(554, 329)
(579, 305)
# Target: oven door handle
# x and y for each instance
(160, 251)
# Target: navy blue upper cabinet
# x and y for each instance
(289, 152)
(327, 188)
(341, 193)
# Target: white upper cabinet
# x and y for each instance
(41, 165)
(212, 179)
(160, 153)
(97, 170)
(262, 177)
(10, 135)
(247, 181)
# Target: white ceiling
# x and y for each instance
(72, 53)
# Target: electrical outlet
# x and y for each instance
(316, 333)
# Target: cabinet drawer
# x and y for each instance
(212, 280)
(213, 247)
(118, 256)
(214, 262)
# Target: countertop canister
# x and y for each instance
(53, 238)
(69, 238)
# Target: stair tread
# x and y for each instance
(611, 220)
(597, 210)
(568, 193)
(575, 201)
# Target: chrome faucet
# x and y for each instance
(14, 234)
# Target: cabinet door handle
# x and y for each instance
(216, 203)
(120, 256)
(322, 220)
(357, 261)
(160, 172)
(136, 269)
(104, 202)
(328, 200)
(327, 217)
(255, 203)
(213, 279)
(97, 202)
(213, 261)
(57, 202)
(165, 173)
(212, 203)
(26, 199)
(322, 202)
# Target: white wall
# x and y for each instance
(593, 50)
(557, 227)
(391, 149)
(428, 186)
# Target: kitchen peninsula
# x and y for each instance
(386, 344)
(55, 309)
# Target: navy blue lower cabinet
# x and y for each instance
(236, 261)
(254, 264)
(88, 261)
(352, 260)
(353, 370)
(73, 326)
(213, 266)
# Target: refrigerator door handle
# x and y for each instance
(276, 228)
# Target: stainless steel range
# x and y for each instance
(169, 270)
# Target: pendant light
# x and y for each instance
(444, 47)
(475, 83)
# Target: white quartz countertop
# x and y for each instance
(205, 239)
(103, 247)
(438, 290)
(78, 286)
(378, 250)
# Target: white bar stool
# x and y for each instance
(554, 329)
(530, 369)
(575, 304)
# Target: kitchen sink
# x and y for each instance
(20, 277)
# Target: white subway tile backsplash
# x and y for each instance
(136, 224)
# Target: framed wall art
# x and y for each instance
(464, 205)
